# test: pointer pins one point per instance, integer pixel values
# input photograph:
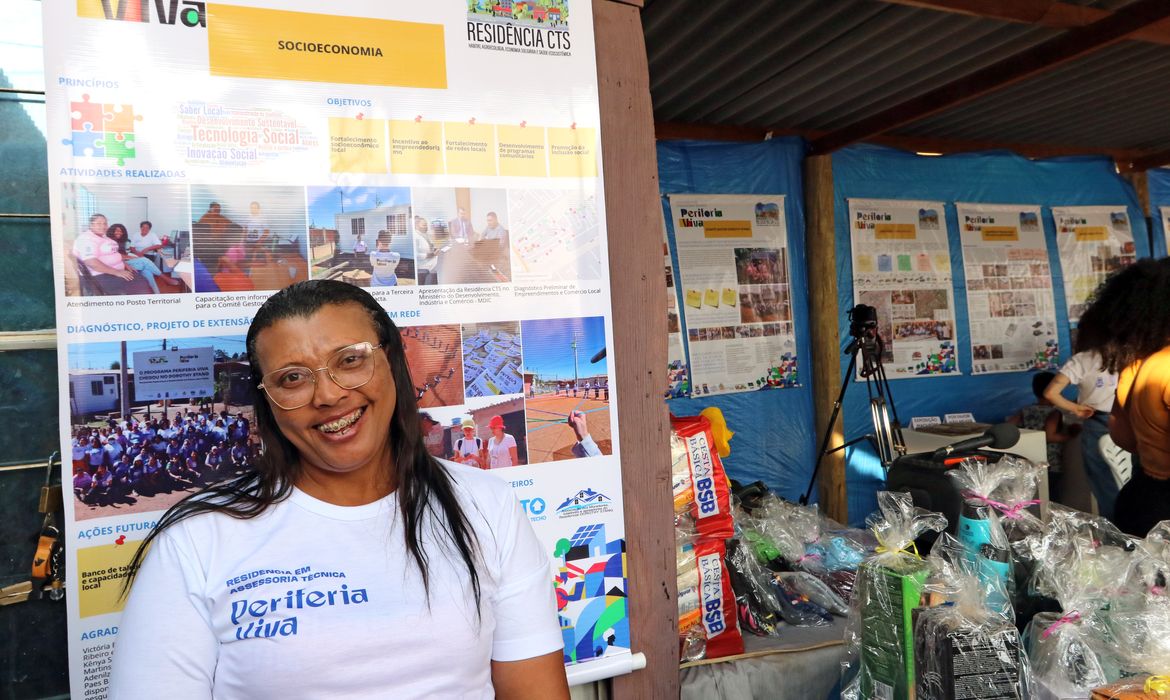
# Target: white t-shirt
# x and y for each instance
(315, 600)
(498, 454)
(254, 228)
(139, 242)
(1095, 386)
(468, 447)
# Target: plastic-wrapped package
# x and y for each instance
(797, 609)
(793, 529)
(889, 587)
(699, 483)
(816, 590)
(1074, 651)
(963, 649)
(756, 604)
(1136, 688)
(706, 603)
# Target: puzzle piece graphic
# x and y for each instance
(119, 118)
(87, 115)
(87, 143)
(119, 146)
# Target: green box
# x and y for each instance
(890, 591)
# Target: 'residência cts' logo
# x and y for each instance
(524, 26)
(189, 13)
(584, 502)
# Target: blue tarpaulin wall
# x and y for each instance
(1004, 178)
(774, 427)
(1159, 184)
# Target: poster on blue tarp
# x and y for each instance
(1009, 288)
(902, 268)
(733, 264)
(677, 376)
(1094, 242)
(444, 156)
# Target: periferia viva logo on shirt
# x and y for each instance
(269, 616)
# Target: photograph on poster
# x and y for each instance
(487, 433)
(764, 304)
(248, 237)
(566, 377)
(170, 421)
(435, 361)
(461, 235)
(123, 238)
(557, 235)
(492, 359)
(760, 266)
(361, 235)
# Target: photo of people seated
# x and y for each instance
(361, 235)
(461, 235)
(248, 238)
(126, 239)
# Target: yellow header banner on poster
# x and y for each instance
(249, 42)
(1091, 233)
(1001, 233)
(718, 228)
(895, 232)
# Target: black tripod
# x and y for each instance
(886, 437)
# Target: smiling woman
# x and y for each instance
(349, 562)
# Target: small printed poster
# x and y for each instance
(1094, 242)
(902, 268)
(733, 263)
(1009, 288)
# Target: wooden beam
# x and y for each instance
(1044, 13)
(666, 131)
(1147, 161)
(1071, 45)
(638, 294)
(820, 240)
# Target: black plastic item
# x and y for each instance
(797, 609)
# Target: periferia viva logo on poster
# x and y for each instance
(186, 12)
(531, 26)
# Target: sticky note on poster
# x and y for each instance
(357, 145)
(100, 572)
(711, 298)
(694, 298)
(572, 152)
(471, 148)
(729, 296)
(523, 151)
(416, 147)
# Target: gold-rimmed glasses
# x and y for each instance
(293, 387)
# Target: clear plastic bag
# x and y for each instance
(962, 647)
(880, 664)
(817, 591)
(756, 604)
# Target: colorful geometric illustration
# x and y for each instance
(591, 594)
(102, 130)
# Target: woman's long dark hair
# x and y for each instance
(1128, 317)
(424, 487)
(123, 241)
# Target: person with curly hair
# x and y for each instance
(1128, 325)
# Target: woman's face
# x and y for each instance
(498, 432)
(362, 442)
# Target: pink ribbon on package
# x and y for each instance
(812, 555)
(1073, 616)
(1014, 512)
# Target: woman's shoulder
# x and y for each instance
(478, 485)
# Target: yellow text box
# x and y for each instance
(1091, 233)
(523, 151)
(895, 232)
(1000, 233)
(100, 571)
(357, 145)
(250, 42)
(416, 147)
(471, 148)
(572, 152)
(726, 228)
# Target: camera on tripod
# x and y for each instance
(863, 321)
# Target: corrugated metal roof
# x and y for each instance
(820, 65)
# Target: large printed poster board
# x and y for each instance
(444, 155)
(1009, 288)
(902, 268)
(733, 265)
(1094, 242)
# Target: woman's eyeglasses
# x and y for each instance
(293, 387)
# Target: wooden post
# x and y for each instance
(638, 295)
(820, 242)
